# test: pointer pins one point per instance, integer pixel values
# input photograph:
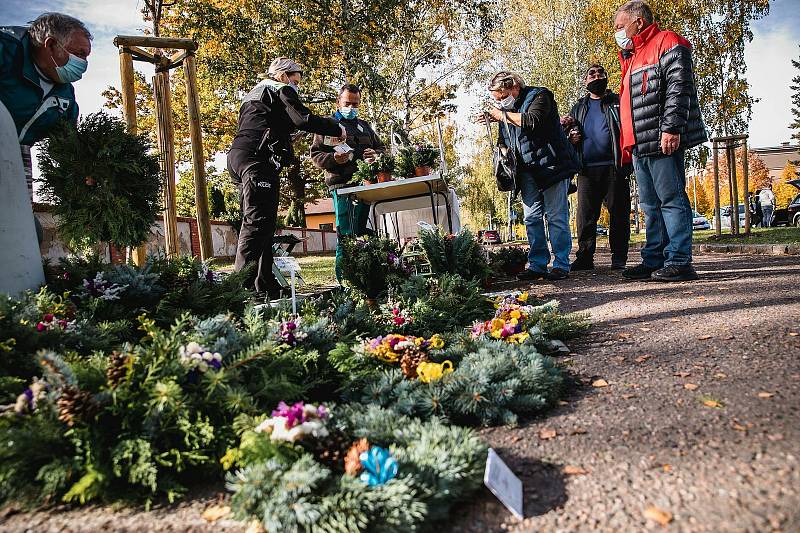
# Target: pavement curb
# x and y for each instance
(746, 249)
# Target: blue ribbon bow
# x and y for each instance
(379, 466)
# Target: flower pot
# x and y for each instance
(422, 171)
(513, 270)
(383, 177)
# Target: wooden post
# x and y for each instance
(734, 188)
(198, 161)
(717, 217)
(746, 189)
(166, 139)
(139, 254)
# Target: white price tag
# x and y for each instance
(342, 148)
(499, 479)
(287, 264)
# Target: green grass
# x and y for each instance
(757, 236)
(317, 270)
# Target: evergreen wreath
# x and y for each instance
(103, 182)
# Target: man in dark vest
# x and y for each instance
(603, 177)
(270, 113)
(546, 162)
(340, 165)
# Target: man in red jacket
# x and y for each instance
(660, 116)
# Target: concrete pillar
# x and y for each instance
(20, 258)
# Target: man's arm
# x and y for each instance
(304, 119)
(676, 64)
(320, 156)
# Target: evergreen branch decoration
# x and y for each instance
(103, 182)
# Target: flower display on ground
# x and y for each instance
(295, 422)
(290, 332)
(50, 321)
(509, 320)
(99, 287)
(196, 358)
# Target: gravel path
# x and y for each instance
(698, 425)
(634, 443)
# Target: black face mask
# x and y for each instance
(598, 86)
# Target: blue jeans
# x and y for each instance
(552, 202)
(667, 212)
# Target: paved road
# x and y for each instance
(698, 425)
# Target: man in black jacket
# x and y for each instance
(269, 114)
(340, 165)
(603, 177)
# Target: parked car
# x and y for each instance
(699, 221)
(789, 216)
(490, 236)
(725, 216)
(602, 230)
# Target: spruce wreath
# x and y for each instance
(103, 182)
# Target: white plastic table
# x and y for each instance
(404, 189)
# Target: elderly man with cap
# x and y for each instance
(38, 65)
(269, 114)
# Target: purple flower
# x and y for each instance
(31, 401)
(215, 364)
(294, 415)
(322, 411)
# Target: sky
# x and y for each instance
(768, 57)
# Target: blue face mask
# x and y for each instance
(348, 113)
(73, 70)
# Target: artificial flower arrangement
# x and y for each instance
(198, 359)
(411, 353)
(290, 333)
(509, 322)
(296, 422)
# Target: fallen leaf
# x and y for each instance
(516, 438)
(215, 512)
(691, 386)
(738, 427)
(562, 402)
(599, 383)
(644, 329)
(682, 374)
(628, 396)
(710, 402)
(674, 319)
(658, 515)
(720, 375)
(765, 394)
(578, 431)
(643, 358)
(547, 433)
(793, 334)
(570, 470)
(624, 335)
(666, 468)
(618, 359)
(704, 338)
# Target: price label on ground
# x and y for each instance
(499, 479)
(287, 264)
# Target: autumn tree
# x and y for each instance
(795, 125)
(784, 191)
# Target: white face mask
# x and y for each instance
(506, 103)
(623, 41)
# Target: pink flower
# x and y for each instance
(40, 326)
(48, 317)
(399, 321)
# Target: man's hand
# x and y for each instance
(370, 155)
(341, 158)
(494, 115)
(670, 142)
(574, 136)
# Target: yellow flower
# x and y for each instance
(437, 343)
(497, 323)
(513, 321)
(418, 341)
(515, 314)
(523, 297)
(496, 333)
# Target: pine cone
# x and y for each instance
(75, 404)
(352, 462)
(117, 368)
(410, 360)
(330, 450)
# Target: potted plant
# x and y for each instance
(371, 265)
(363, 174)
(383, 167)
(417, 160)
(509, 260)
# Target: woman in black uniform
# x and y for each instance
(269, 114)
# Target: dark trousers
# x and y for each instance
(595, 186)
(258, 182)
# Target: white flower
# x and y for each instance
(208, 356)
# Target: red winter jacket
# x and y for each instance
(658, 94)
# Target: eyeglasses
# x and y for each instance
(598, 72)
